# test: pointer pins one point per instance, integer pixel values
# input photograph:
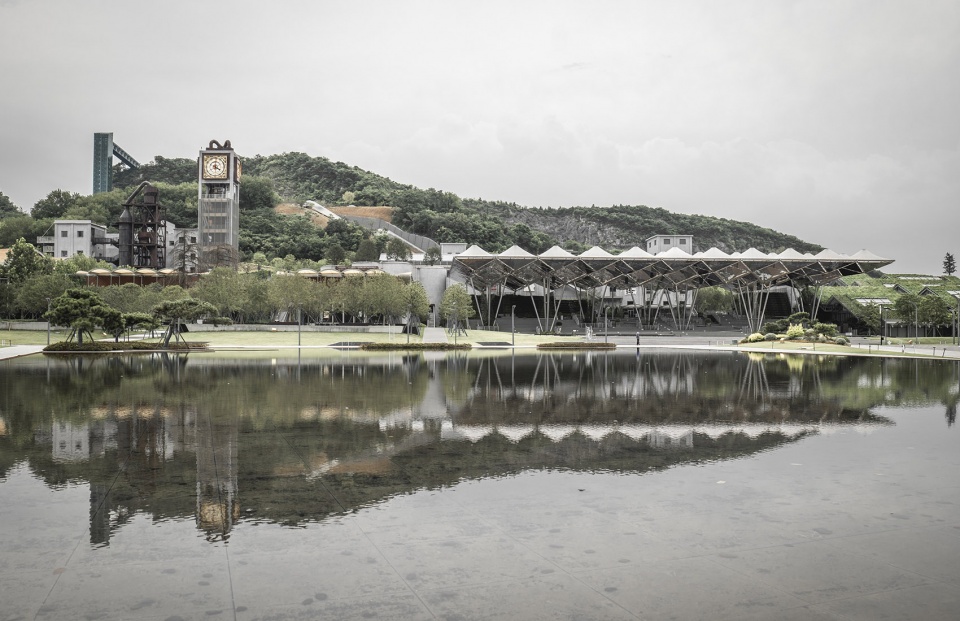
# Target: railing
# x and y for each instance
(46, 240)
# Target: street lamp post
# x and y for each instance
(513, 331)
(606, 314)
(916, 324)
(882, 326)
(298, 326)
(48, 321)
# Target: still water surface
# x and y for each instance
(347, 485)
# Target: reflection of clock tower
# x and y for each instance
(218, 207)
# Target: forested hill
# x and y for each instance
(445, 217)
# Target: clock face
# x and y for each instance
(215, 167)
(238, 171)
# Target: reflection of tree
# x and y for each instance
(223, 441)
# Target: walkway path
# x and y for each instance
(435, 335)
(19, 350)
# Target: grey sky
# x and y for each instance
(835, 121)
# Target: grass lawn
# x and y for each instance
(30, 337)
(826, 348)
(924, 340)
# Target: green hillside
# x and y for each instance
(442, 216)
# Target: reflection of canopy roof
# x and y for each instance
(635, 267)
(556, 433)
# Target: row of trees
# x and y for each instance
(921, 311)
(250, 298)
(261, 297)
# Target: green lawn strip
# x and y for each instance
(825, 348)
(924, 340)
(30, 337)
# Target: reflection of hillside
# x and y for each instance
(223, 442)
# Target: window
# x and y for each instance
(79, 233)
(683, 242)
(63, 233)
(193, 239)
(63, 253)
(80, 252)
(666, 241)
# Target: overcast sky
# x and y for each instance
(835, 121)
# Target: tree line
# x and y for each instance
(443, 216)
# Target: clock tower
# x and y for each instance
(218, 206)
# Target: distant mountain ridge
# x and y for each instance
(493, 225)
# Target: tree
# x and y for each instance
(175, 312)
(288, 293)
(367, 251)
(346, 233)
(223, 288)
(432, 255)
(24, 262)
(715, 299)
(397, 249)
(113, 323)
(80, 309)
(870, 317)
(144, 321)
(949, 264)
(456, 305)
(257, 193)
(14, 227)
(335, 254)
(906, 308)
(32, 295)
(383, 295)
(417, 303)
(54, 204)
(934, 311)
(7, 208)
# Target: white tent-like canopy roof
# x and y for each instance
(516, 268)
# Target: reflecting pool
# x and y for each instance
(344, 485)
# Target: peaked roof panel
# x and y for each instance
(829, 255)
(556, 252)
(674, 252)
(866, 255)
(595, 253)
(515, 252)
(475, 251)
(635, 253)
(714, 253)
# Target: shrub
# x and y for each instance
(752, 338)
(775, 326)
(769, 336)
(99, 346)
(840, 340)
(414, 346)
(795, 331)
(576, 345)
(826, 329)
